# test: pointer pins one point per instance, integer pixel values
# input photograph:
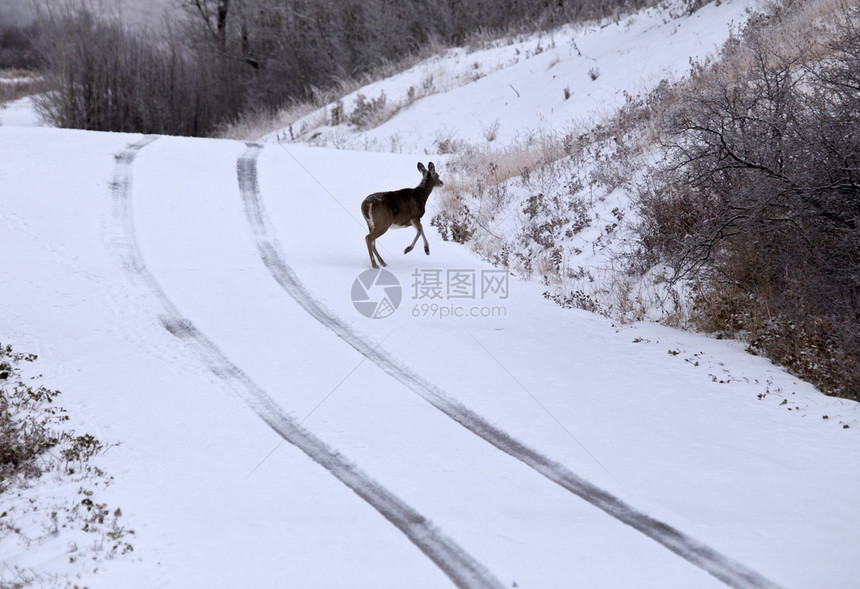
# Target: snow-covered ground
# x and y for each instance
(194, 300)
(566, 79)
(20, 113)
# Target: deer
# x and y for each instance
(401, 208)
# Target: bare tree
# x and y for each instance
(759, 201)
(104, 76)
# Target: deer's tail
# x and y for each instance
(367, 213)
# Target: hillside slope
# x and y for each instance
(196, 302)
(517, 86)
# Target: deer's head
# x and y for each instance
(431, 178)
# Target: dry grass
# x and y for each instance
(803, 23)
(524, 206)
(253, 126)
(474, 168)
(17, 84)
(302, 117)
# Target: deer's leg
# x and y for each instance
(419, 232)
(424, 237)
(411, 245)
(371, 246)
(369, 240)
(376, 252)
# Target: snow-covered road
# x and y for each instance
(194, 301)
(185, 301)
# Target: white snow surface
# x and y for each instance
(518, 84)
(20, 113)
(184, 293)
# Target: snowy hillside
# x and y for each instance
(203, 303)
(567, 79)
(500, 113)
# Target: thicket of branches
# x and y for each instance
(230, 58)
(104, 77)
(759, 202)
(17, 38)
(17, 46)
(291, 48)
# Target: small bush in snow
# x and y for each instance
(35, 444)
(27, 421)
(455, 223)
(548, 219)
(368, 112)
(336, 114)
(491, 131)
(447, 141)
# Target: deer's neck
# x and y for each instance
(423, 190)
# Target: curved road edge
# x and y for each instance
(453, 560)
(727, 570)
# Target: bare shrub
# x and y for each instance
(368, 112)
(35, 442)
(491, 131)
(759, 200)
(18, 45)
(454, 221)
(104, 77)
(289, 50)
(26, 422)
(447, 141)
(548, 219)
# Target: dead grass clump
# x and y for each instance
(17, 84)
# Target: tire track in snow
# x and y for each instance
(458, 565)
(727, 570)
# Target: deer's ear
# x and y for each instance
(421, 168)
(431, 167)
